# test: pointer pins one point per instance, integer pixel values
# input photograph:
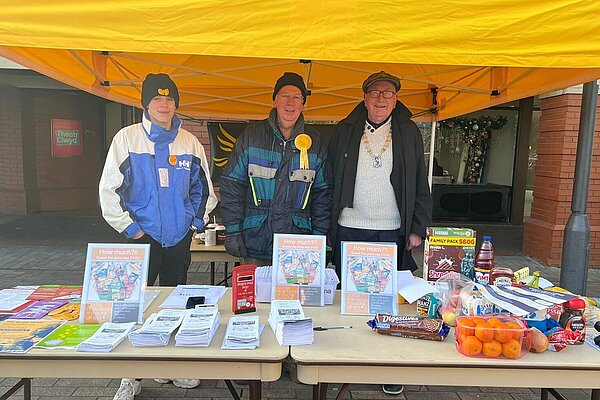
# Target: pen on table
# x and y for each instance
(326, 328)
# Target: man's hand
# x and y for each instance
(139, 234)
(414, 240)
(234, 244)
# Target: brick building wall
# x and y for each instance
(12, 184)
(553, 187)
(200, 130)
(43, 183)
(59, 184)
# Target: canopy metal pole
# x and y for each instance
(576, 244)
(432, 150)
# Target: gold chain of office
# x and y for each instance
(377, 156)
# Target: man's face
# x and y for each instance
(161, 110)
(380, 108)
(289, 105)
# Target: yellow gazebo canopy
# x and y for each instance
(453, 57)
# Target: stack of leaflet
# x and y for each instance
(290, 325)
(243, 333)
(263, 284)
(15, 300)
(107, 337)
(157, 329)
(199, 326)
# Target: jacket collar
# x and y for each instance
(158, 134)
(298, 128)
(359, 114)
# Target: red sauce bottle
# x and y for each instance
(501, 276)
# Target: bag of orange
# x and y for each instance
(492, 336)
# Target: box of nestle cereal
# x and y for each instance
(448, 249)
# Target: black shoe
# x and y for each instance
(393, 389)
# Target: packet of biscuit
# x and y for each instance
(409, 326)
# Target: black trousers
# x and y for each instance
(366, 235)
(170, 263)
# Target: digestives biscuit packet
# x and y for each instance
(408, 326)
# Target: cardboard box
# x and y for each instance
(448, 249)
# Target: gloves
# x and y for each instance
(234, 244)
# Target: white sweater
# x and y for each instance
(375, 206)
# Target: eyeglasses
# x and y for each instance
(387, 94)
(296, 98)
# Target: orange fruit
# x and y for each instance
(517, 330)
(503, 333)
(494, 322)
(492, 349)
(484, 332)
(465, 327)
(477, 320)
(511, 349)
(471, 346)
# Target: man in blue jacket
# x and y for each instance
(156, 188)
(278, 179)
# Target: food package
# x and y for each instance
(472, 302)
(408, 326)
(448, 249)
(448, 289)
(492, 336)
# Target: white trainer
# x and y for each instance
(186, 383)
(159, 380)
(128, 390)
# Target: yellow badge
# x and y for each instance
(172, 160)
(163, 92)
(303, 143)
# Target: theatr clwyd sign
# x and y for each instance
(67, 138)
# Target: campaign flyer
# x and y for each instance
(299, 269)
(369, 281)
(114, 283)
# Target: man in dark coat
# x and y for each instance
(381, 193)
(266, 188)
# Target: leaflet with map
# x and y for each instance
(20, 335)
(369, 280)
(299, 269)
(114, 283)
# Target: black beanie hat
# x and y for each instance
(290, 78)
(159, 85)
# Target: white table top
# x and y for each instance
(342, 355)
(263, 363)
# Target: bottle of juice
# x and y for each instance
(484, 261)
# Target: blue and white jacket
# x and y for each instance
(140, 189)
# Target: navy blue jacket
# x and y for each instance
(264, 191)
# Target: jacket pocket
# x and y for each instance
(262, 182)
(302, 175)
(258, 171)
(303, 224)
(257, 236)
(254, 221)
(302, 180)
